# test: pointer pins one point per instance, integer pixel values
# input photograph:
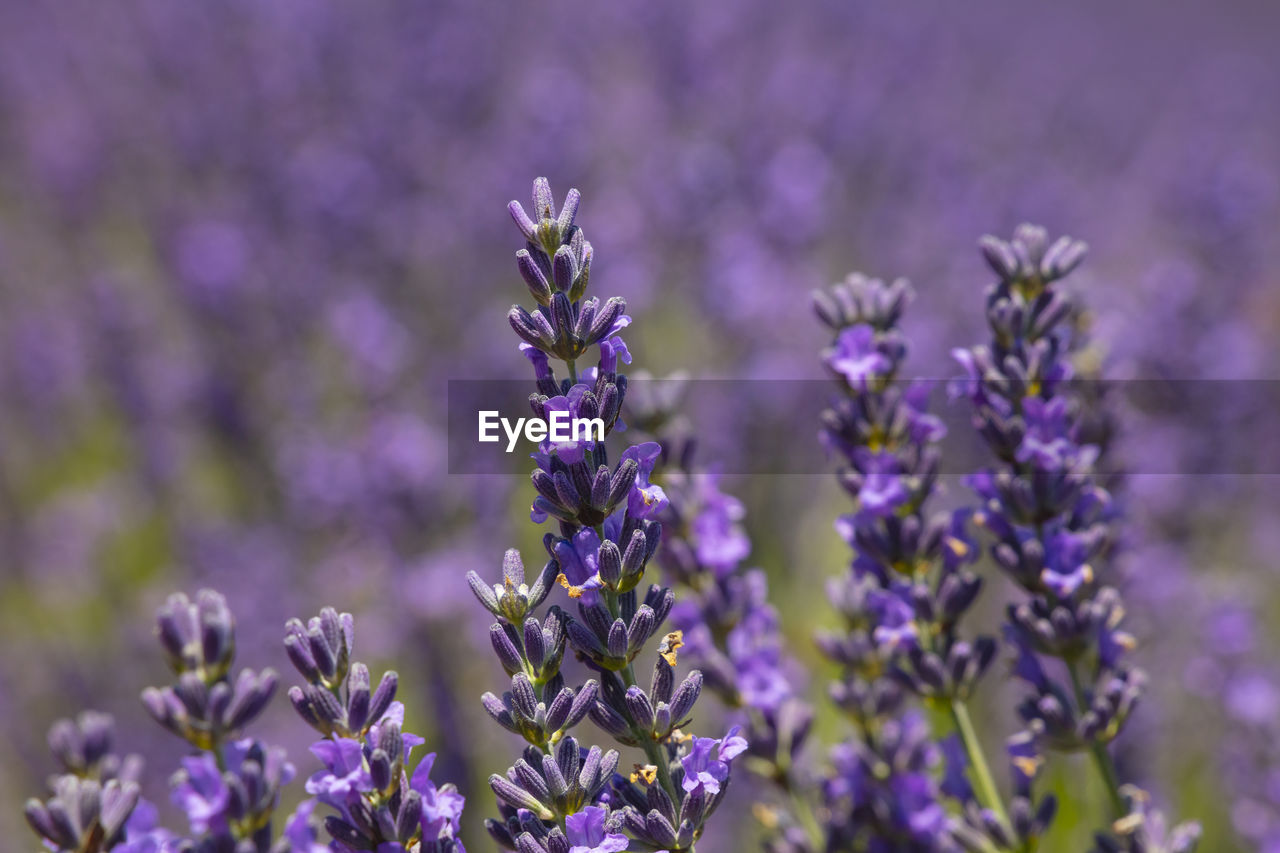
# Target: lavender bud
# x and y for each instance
(534, 647)
(640, 708)
(534, 277)
(358, 697)
(682, 701)
(617, 640)
(522, 220)
(564, 270)
(384, 695)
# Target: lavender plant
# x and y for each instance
(902, 603)
(914, 776)
(909, 588)
(249, 225)
(1050, 522)
(730, 629)
(96, 802)
(559, 794)
(380, 803)
(228, 790)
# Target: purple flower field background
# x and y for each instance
(245, 246)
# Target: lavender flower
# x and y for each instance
(84, 814)
(231, 788)
(1051, 523)
(238, 801)
(97, 800)
(587, 833)
(885, 787)
(729, 628)
(905, 595)
(607, 536)
(204, 707)
(366, 754)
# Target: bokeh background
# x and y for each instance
(244, 244)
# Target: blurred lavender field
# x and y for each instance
(244, 246)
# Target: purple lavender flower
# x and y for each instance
(441, 806)
(607, 535)
(1050, 520)
(717, 529)
(705, 772)
(238, 801)
(201, 795)
(587, 833)
(344, 774)
(856, 357)
(904, 596)
(646, 499)
(97, 798)
(378, 802)
(299, 831)
(84, 814)
(903, 812)
(728, 626)
(580, 565)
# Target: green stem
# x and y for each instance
(1101, 757)
(218, 758)
(573, 371)
(987, 791)
(803, 810)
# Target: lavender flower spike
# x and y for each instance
(903, 599)
(1050, 522)
(378, 801)
(558, 795)
(730, 630)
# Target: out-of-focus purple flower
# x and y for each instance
(856, 357)
(202, 795)
(895, 619)
(720, 540)
(205, 793)
(1047, 443)
(882, 489)
(1066, 569)
(300, 831)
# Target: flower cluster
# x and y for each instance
(380, 803)
(97, 801)
(1050, 522)
(908, 588)
(230, 788)
(905, 780)
(731, 632)
(560, 795)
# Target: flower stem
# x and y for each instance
(803, 810)
(988, 793)
(1101, 757)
